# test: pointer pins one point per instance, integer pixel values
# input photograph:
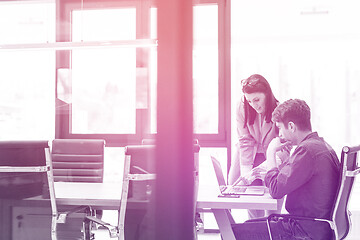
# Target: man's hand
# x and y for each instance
(283, 153)
(279, 147)
(275, 145)
(278, 144)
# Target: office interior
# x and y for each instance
(129, 70)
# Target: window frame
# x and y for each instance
(63, 60)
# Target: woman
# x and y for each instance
(254, 126)
(255, 129)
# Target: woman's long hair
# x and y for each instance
(257, 83)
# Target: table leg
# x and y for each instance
(5, 219)
(224, 223)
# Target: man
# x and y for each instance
(309, 178)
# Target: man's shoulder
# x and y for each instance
(312, 141)
(316, 145)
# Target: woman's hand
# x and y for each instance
(258, 172)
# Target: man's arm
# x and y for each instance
(277, 153)
(292, 174)
(272, 161)
(274, 146)
(260, 171)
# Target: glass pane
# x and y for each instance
(297, 63)
(114, 164)
(153, 71)
(104, 80)
(314, 56)
(27, 76)
(27, 22)
(206, 69)
(207, 175)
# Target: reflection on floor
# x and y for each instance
(104, 235)
(211, 226)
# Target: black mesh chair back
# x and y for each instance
(139, 173)
(17, 184)
(341, 216)
(28, 207)
(141, 161)
(136, 221)
(138, 154)
(26, 184)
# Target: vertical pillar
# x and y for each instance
(174, 156)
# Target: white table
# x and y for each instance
(107, 196)
(208, 200)
(102, 195)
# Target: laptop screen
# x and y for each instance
(218, 171)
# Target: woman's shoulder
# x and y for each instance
(240, 105)
(240, 102)
(240, 111)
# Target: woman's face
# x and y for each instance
(257, 101)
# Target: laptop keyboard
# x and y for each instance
(236, 189)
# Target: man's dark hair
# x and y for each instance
(293, 110)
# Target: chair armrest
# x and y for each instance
(113, 230)
(63, 215)
(257, 219)
(278, 215)
(141, 177)
(14, 169)
(353, 173)
(288, 216)
(145, 175)
(141, 170)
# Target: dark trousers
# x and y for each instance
(283, 230)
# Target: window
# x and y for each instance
(206, 70)
(111, 92)
(27, 76)
(312, 56)
(103, 80)
(306, 50)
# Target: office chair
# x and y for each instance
(138, 166)
(78, 160)
(26, 181)
(197, 216)
(340, 218)
(138, 177)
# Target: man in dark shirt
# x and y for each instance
(309, 178)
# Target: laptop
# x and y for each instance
(229, 190)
